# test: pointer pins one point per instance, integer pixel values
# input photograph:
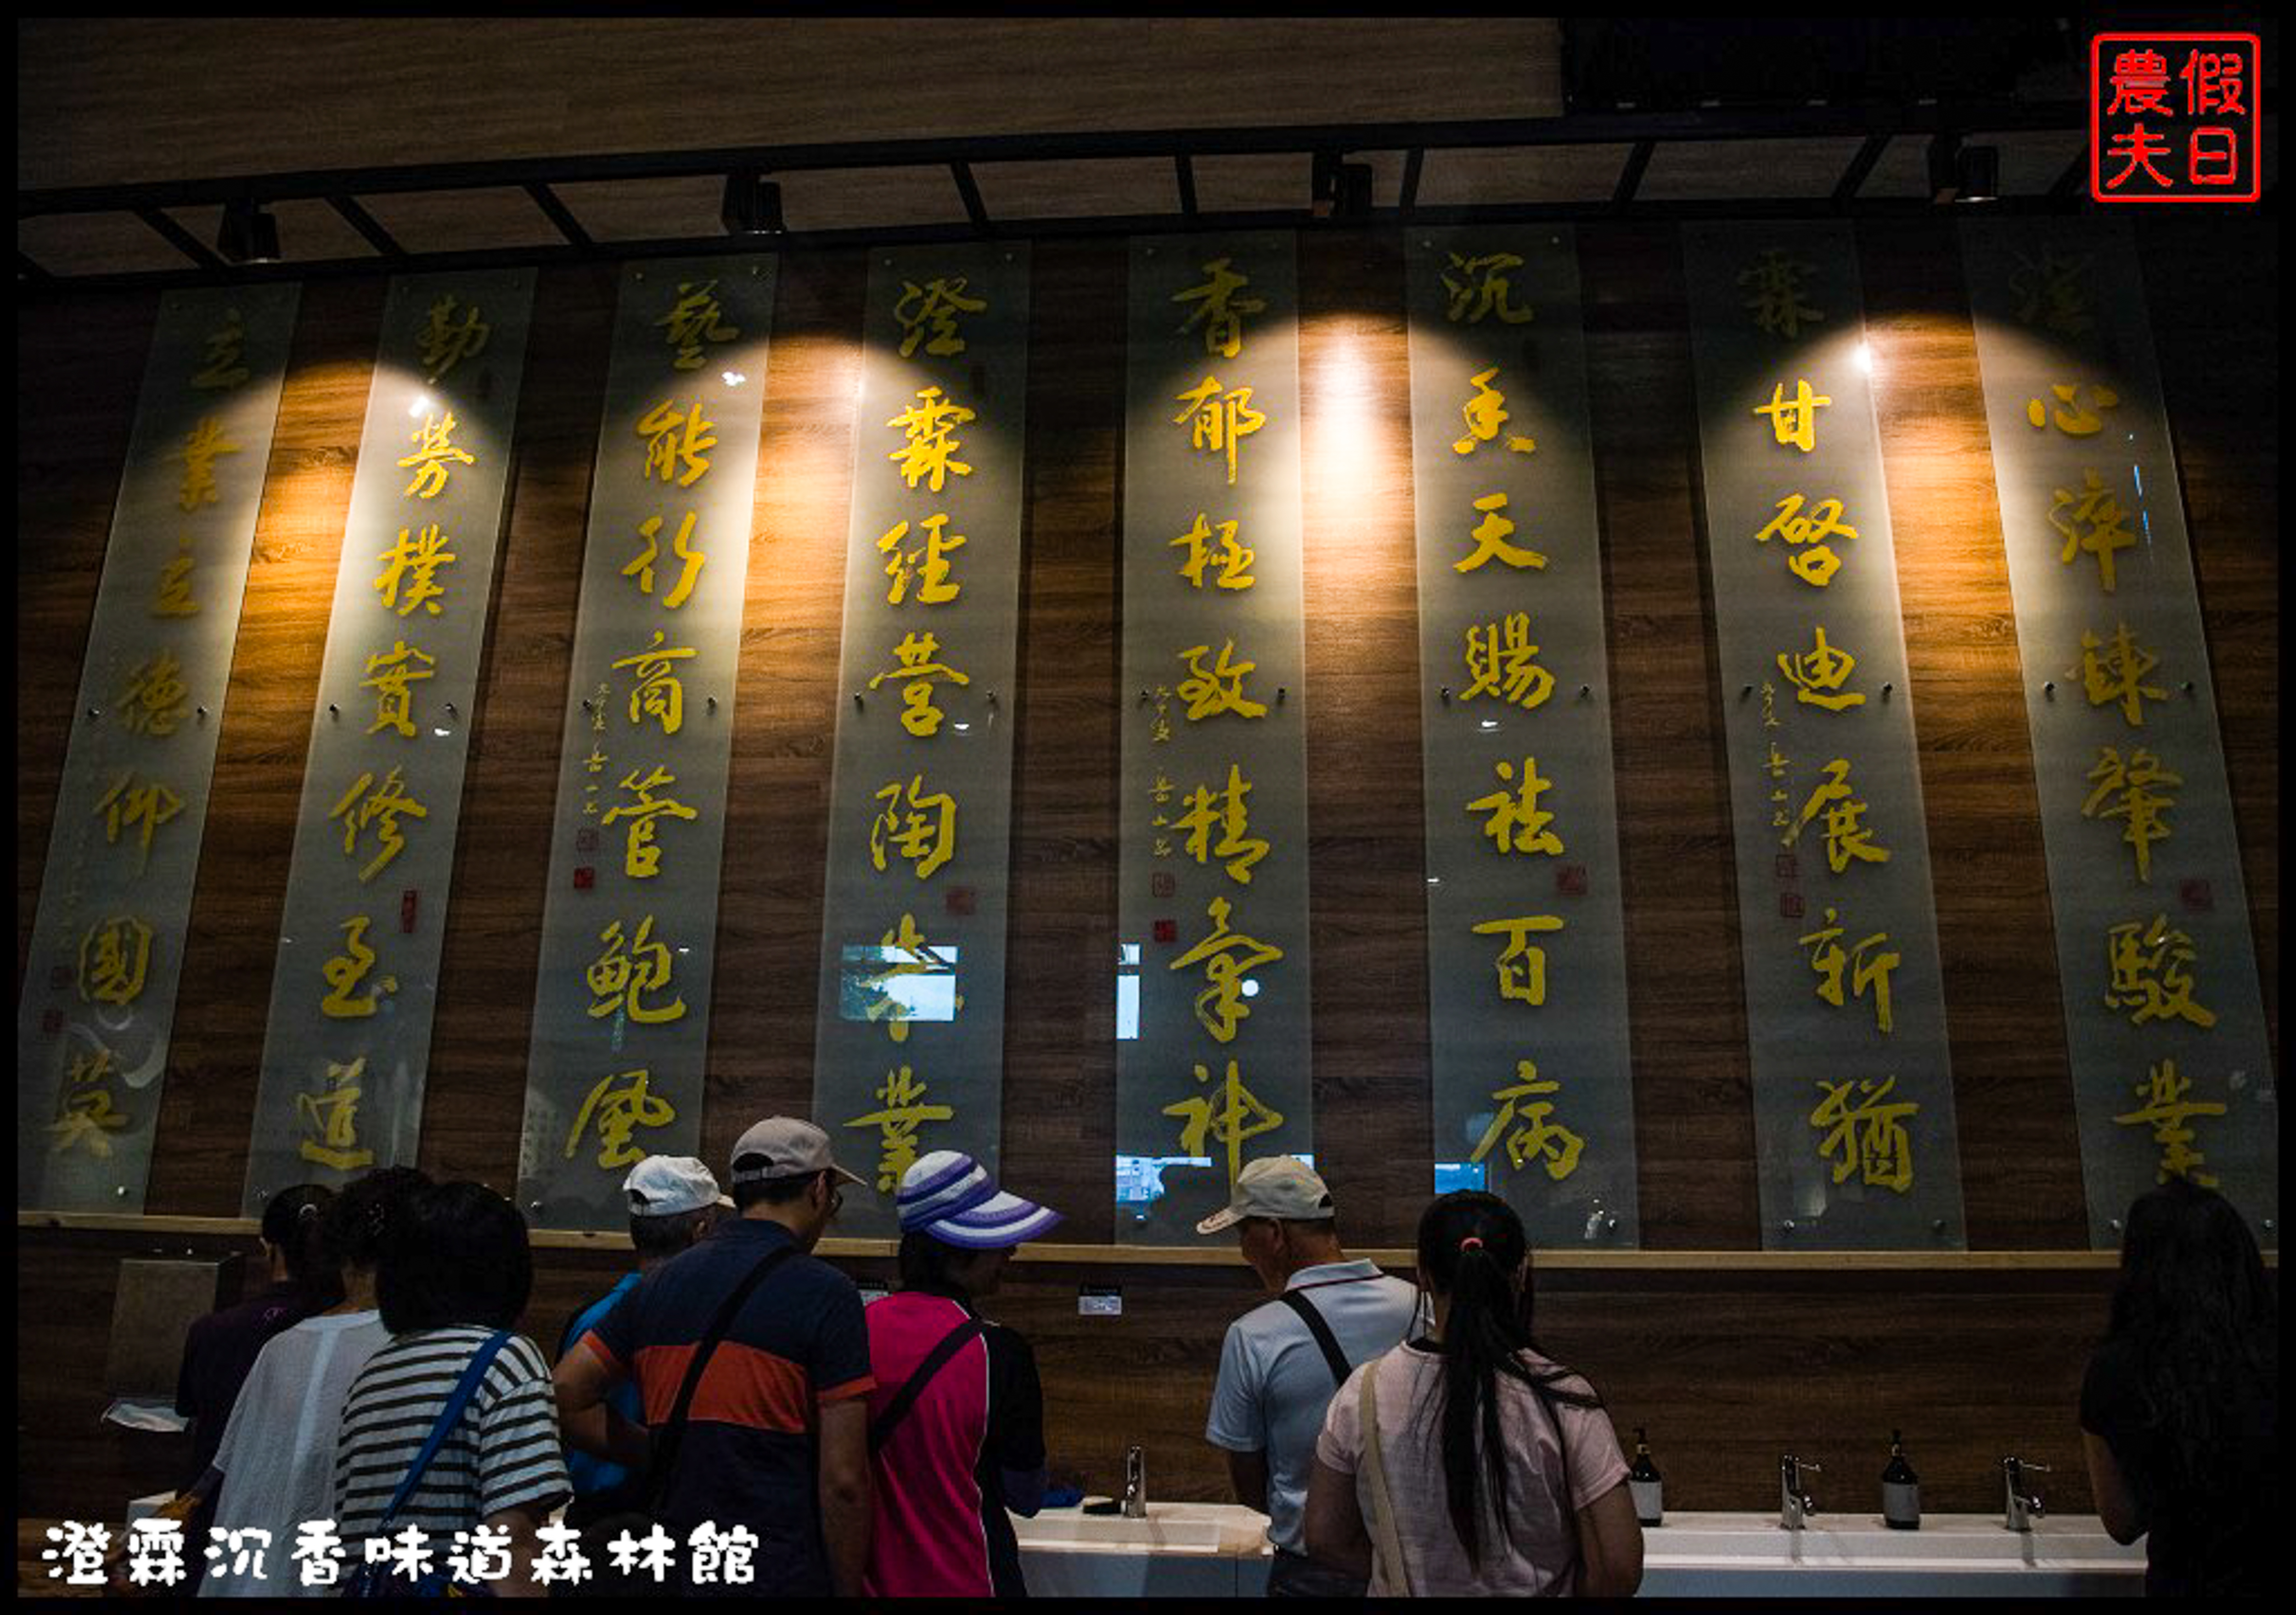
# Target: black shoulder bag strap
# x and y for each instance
(1337, 1360)
(666, 1439)
(881, 1430)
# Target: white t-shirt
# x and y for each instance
(1542, 1539)
(278, 1451)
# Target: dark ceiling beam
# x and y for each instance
(1630, 177)
(974, 209)
(1414, 164)
(2073, 182)
(181, 239)
(1621, 128)
(556, 210)
(367, 226)
(31, 272)
(1184, 174)
(1845, 190)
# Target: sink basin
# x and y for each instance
(1944, 1540)
(1170, 1527)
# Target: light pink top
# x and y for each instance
(1537, 1556)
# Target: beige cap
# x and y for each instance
(784, 1147)
(1280, 1186)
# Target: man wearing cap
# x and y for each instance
(1282, 1360)
(957, 1420)
(673, 1201)
(776, 1438)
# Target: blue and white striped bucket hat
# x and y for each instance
(950, 1196)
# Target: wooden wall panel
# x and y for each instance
(1725, 1367)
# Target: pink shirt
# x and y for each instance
(926, 1536)
(1538, 1553)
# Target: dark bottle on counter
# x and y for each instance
(1901, 1489)
(1643, 1482)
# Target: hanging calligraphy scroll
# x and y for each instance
(1845, 1014)
(2164, 1020)
(349, 1037)
(99, 1004)
(1212, 1008)
(1526, 949)
(909, 1044)
(629, 925)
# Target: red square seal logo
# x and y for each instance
(584, 878)
(1163, 885)
(1790, 905)
(1570, 881)
(585, 841)
(1789, 866)
(2195, 896)
(1167, 931)
(960, 900)
(2176, 117)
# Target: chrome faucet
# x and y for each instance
(1794, 1504)
(2021, 1509)
(1136, 1484)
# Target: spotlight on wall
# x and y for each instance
(1960, 173)
(753, 205)
(248, 234)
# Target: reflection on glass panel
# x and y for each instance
(894, 984)
(1459, 1174)
(1140, 1178)
(1128, 1000)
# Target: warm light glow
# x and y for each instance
(734, 378)
(1864, 358)
(419, 407)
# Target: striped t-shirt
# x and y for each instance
(503, 1453)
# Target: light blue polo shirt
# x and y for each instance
(1273, 1383)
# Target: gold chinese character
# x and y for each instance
(1794, 420)
(2095, 525)
(1218, 421)
(1817, 675)
(657, 694)
(391, 674)
(1224, 812)
(200, 447)
(1231, 1118)
(682, 548)
(2119, 674)
(1220, 308)
(149, 805)
(905, 1110)
(631, 966)
(696, 317)
(1235, 558)
(1490, 538)
(1549, 1142)
(1777, 302)
(1515, 823)
(225, 366)
(1523, 965)
(2072, 419)
(1845, 837)
(2146, 812)
(368, 804)
(922, 830)
(446, 344)
(173, 597)
(1211, 691)
(903, 950)
(331, 1117)
(346, 969)
(929, 454)
(1225, 955)
(620, 1111)
(914, 657)
(675, 439)
(1481, 283)
(2147, 975)
(412, 560)
(2169, 1113)
(1870, 1137)
(1827, 959)
(434, 453)
(1816, 564)
(156, 696)
(2050, 291)
(640, 859)
(1505, 663)
(113, 957)
(87, 1121)
(926, 564)
(934, 307)
(1485, 414)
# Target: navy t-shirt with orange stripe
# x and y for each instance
(749, 1456)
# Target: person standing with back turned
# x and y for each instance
(1282, 1360)
(775, 1431)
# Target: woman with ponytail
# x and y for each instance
(1467, 1462)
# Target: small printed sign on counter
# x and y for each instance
(1099, 1301)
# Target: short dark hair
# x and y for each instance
(924, 1261)
(292, 1224)
(458, 1256)
(773, 1191)
(354, 1222)
(666, 1236)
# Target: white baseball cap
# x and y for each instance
(1280, 1186)
(664, 1185)
(784, 1147)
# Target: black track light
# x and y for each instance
(753, 205)
(248, 234)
